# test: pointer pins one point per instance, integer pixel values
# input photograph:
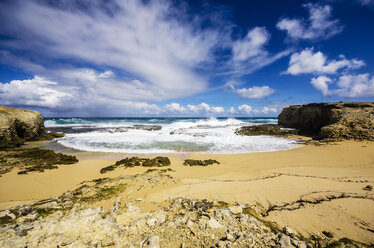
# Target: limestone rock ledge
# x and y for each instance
(19, 125)
(335, 121)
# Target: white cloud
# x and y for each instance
(256, 92)
(245, 109)
(252, 45)
(141, 40)
(267, 110)
(249, 53)
(106, 74)
(38, 92)
(319, 25)
(231, 110)
(352, 86)
(321, 84)
(356, 86)
(158, 52)
(309, 62)
(205, 108)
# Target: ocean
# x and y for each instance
(164, 135)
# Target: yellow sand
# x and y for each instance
(259, 179)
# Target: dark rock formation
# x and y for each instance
(368, 188)
(135, 161)
(19, 125)
(147, 127)
(266, 129)
(34, 159)
(334, 121)
(194, 162)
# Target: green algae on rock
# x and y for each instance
(33, 159)
(195, 162)
(135, 161)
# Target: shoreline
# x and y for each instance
(317, 175)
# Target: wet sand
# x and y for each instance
(311, 188)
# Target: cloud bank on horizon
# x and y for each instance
(162, 58)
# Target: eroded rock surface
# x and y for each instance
(19, 125)
(265, 129)
(333, 121)
(74, 220)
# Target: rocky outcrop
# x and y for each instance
(265, 129)
(19, 125)
(334, 121)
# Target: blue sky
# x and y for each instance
(183, 58)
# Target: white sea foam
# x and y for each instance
(203, 136)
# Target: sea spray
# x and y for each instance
(177, 135)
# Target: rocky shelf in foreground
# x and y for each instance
(333, 121)
(74, 220)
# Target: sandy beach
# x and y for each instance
(311, 188)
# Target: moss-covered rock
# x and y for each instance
(33, 159)
(194, 162)
(135, 161)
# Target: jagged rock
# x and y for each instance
(148, 127)
(333, 121)
(288, 230)
(154, 242)
(368, 188)
(285, 241)
(236, 210)
(151, 222)
(19, 125)
(195, 162)
(265, 129)
(328, 234)
(212, 223)
(161, 218)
